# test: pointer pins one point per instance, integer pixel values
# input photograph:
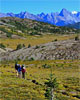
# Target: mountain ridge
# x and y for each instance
(76, 25)
(10, 26)
(63, 18)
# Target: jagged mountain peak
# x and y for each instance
(42, 13)
(23, 13)
(64, 12)
(64, 9)
(63, 18)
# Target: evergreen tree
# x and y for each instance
(77, 38)
(23, 45)
(51, 84)
(29, 45)
(19, 46)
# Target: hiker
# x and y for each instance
(23, 71)
(16, 68)
(19, 71)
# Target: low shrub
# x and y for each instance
(76, 38)
(55, 40)
(19, 46)
(31, 59)
(46, 66)
(23, 45)
(29, 45)
(37, 47)
(9, 35)
(2, 46)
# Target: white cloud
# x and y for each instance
(74, 12)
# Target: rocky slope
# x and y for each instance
(69, 49)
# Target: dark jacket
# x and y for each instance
(17, 66)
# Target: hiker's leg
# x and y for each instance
(17, 73)
(24, 75)
(20, 74)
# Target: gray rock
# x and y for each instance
(68, 49)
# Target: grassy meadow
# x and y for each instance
(66, 72)
(34, 40)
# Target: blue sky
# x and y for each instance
(38, 6)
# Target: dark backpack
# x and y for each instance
(16, 66)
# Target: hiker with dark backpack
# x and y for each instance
(23, 71)
(16, 68)
(19, 71)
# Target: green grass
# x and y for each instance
(35, 40)
(66, 71)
